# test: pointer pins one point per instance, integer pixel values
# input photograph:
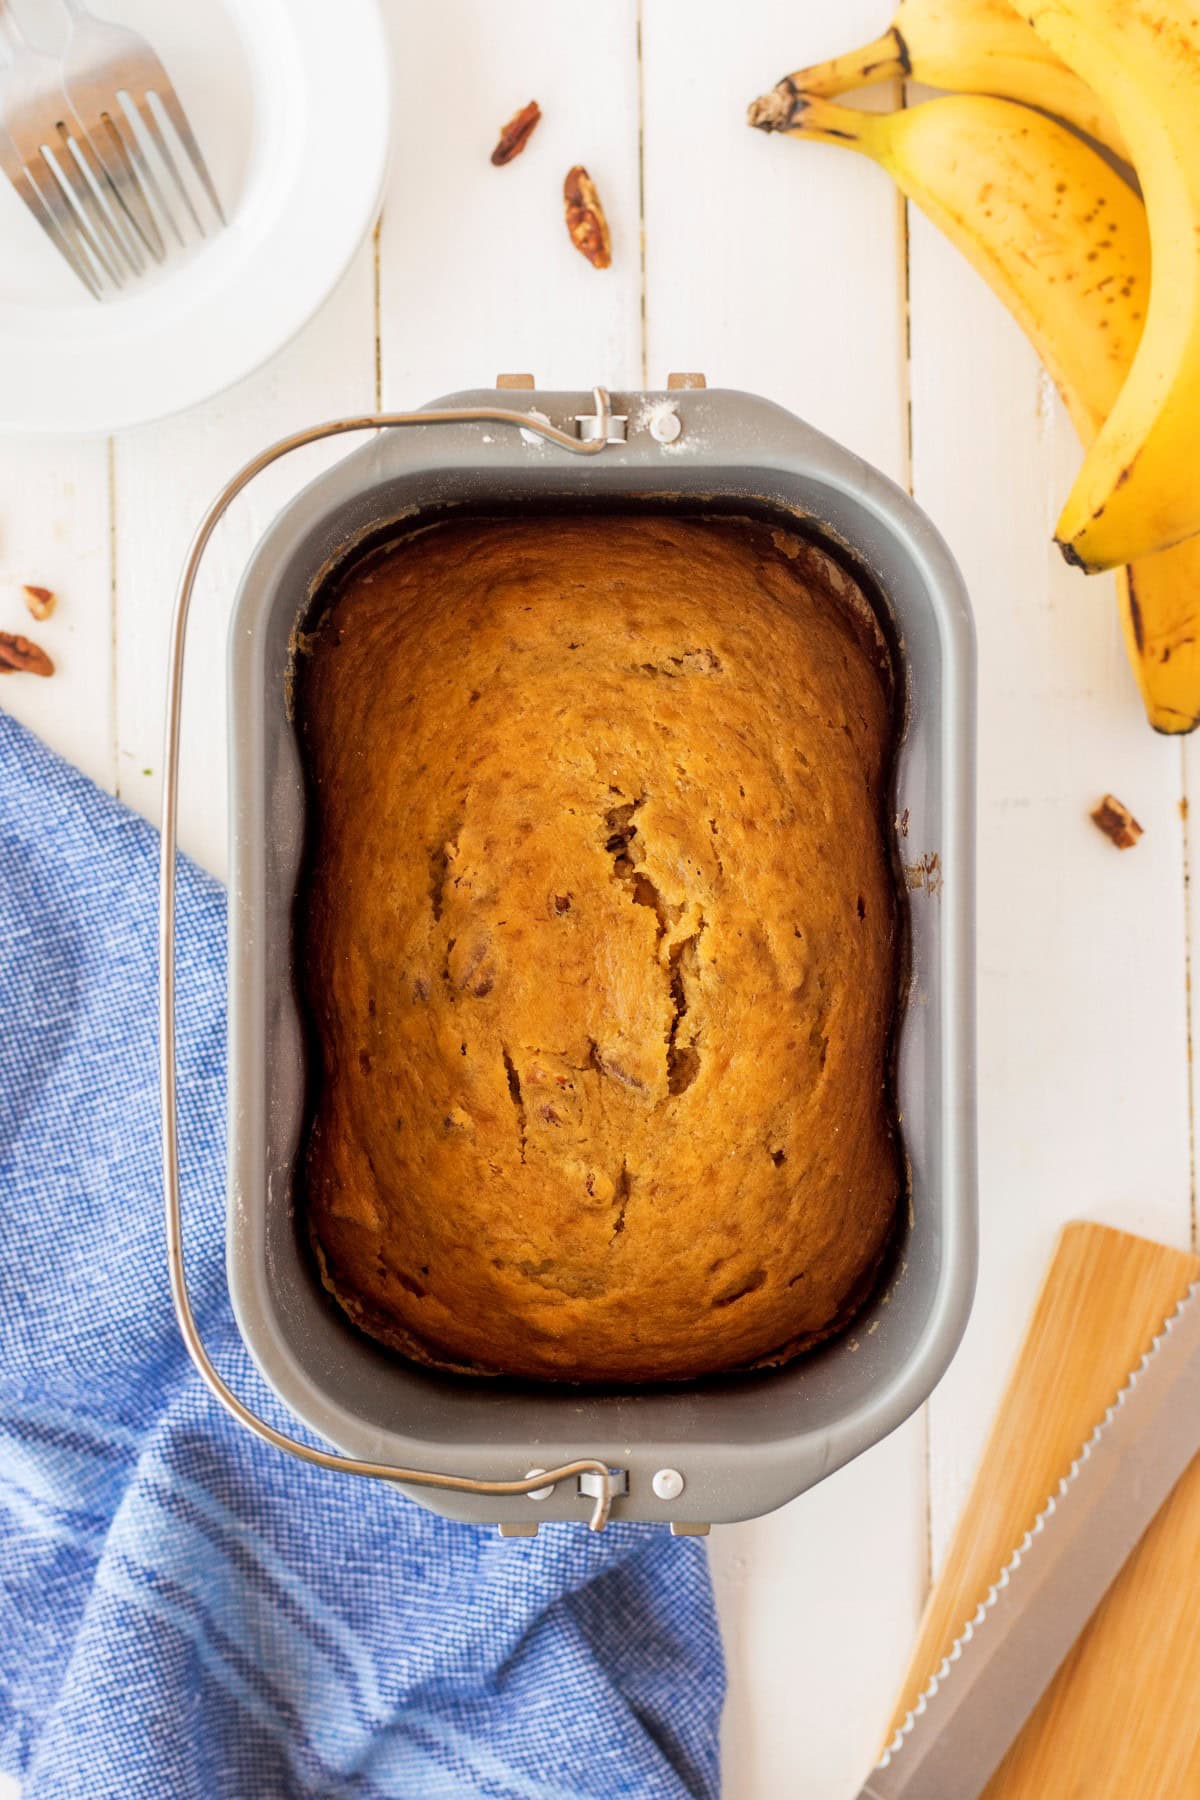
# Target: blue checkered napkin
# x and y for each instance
(184, 1612)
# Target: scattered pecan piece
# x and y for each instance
(516, 134)
(19, 654)
(585, 218)
(40, 601)
(1117, 822)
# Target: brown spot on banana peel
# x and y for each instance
(1135, 612)
(902, 55)
(827, 131)
(1153, 640)
(1072, 556)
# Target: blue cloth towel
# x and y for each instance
(183, 1611)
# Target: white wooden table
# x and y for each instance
(794, 271)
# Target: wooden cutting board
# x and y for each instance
(1121, 1720)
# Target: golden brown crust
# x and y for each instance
(599, 947)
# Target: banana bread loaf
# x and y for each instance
(598, 940)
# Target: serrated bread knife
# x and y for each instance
(949, 1746)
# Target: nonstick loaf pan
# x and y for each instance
(687, 1455)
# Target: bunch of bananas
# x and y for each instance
(1069, 246)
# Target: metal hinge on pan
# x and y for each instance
(664, 424)
(668, 1484)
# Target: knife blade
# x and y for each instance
(952, 1741)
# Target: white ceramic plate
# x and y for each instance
(289, 99)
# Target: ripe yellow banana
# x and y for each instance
(1139, 487)
(1063, 241)
(972, 46)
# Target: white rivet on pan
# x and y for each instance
(537, 1493)
(532, 437)
(665, 426)
(668, 1484)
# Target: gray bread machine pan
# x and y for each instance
(714, 1450)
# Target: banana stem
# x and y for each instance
(828, 123)
(885, 59)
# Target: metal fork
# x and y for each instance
(61, 178)
(70, 145)
(109, 71)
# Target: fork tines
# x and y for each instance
(93, 145)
